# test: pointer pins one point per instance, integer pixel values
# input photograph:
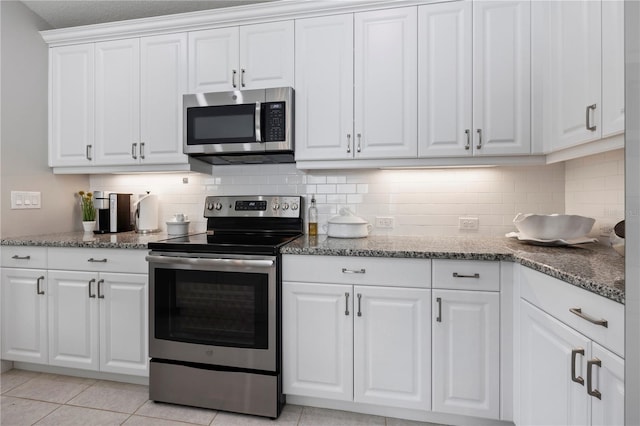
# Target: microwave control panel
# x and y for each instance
(274, 122)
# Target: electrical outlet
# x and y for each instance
(384, 222)
(468, 223)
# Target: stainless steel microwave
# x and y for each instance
(243, 126)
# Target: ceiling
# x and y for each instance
(72, 13)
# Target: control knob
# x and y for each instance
(209, 206)
(285, 206)
(294, 206)
(276, 206)
(218, 206)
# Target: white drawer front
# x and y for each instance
(99, 260)
(466, 274)
(557, 297)
(390, 272)
(24, 257)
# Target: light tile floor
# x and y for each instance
(30, 398)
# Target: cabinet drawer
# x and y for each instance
(557, 297)
(99, 260)
(466, 274)
(24, 257)
(390, 272)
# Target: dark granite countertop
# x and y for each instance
(593, 267)
(123, 240)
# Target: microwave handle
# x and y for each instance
(258, 122)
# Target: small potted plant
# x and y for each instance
(88, 211)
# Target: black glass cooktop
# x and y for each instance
(225, 243)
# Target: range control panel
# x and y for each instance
(277, 206)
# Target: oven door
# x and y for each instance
(213, 309)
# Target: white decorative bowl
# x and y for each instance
(553, 226)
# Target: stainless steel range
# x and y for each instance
(215, 307)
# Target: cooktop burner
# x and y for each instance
(237, 243)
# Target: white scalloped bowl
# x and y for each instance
(553, 226)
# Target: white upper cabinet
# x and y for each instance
(163, 80)
(324, 87)
(117, 101)
(246, 57)
(71, 111)
(586, 79)
(612, 67)
(501, 77)
(385, 92)
(492, 68)
(445, 79)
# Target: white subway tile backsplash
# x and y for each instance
(423, 202)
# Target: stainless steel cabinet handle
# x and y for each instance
(467, 132)
(91, 259)
(588, 118)
(359, 303)
(89, 147)
(457, 275)
(38, 290)
(439, 302)
(214, 262)
(142, 150)
(100, 295)
(359, 142)
(233, 78)
(348, 143)
(590, 390)
(354, 271)
(16, 257)
(578, 312)
(574, 355)
(242, 71)
(479, 146)
(91, 295)
(346, 303)
(134, 147)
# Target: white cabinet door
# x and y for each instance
(317, 329)
(608, 380)
(71, 132)
(213, 60)
(392, 337)
(117, 102)
(386, 122)
(324, 88)
(548, 351)
(123, 323)
(267, 55)
(73, 319)
(612, 67)
(444, 79)
(502, 77)
(466, 355)
(575, 41)
(163, 80)
(24, 315)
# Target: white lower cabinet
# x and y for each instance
(466, 338)
(563, 368)
(367, 343)
(98, 321)
(78, 307)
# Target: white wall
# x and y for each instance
(423, 202)
(23, 136)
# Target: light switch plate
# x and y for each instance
(25, 200)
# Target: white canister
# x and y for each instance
(147, 213)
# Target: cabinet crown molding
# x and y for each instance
(215, 18)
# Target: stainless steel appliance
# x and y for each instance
(243, 126)
(215, 307)
(114, 212)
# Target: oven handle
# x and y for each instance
(198, 261)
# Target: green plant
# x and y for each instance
(86, 205)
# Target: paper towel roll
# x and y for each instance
(147, 213)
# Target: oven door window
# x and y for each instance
(212, 308)
(221, 124)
